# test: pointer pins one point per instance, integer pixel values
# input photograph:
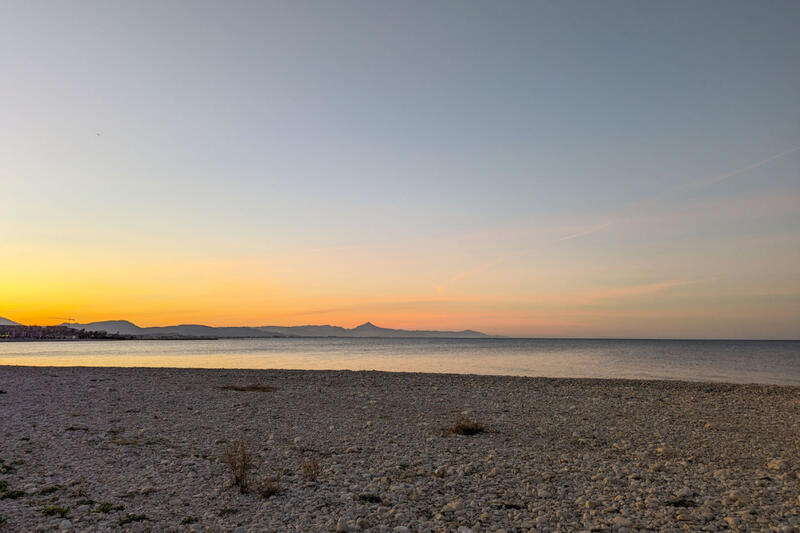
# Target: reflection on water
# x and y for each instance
(776, 362)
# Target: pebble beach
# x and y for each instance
(143, 449)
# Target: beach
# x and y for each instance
(142, 449)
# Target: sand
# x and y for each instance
(102, 449)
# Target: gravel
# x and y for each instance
(138, 449)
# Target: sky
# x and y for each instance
(556, 169)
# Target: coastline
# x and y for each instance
(557, 453)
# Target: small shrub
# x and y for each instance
(188, 520)
(225, 511)
(311, 469)
(50, 490)
(240, 461)
(11, 494)
(270, 487)
(514, 506)
(3, 485)
(370, 498)
(682, 502)
(86, 501)
(55, 511)
(79, 491)
(129, 518)
(465, 426)
(248, 388)
(5, 469)
(107, 507)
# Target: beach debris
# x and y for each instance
(464, 426)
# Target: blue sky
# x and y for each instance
(459, 134)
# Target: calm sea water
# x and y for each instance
(775, 362)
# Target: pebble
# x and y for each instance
(776, 464)
(454, 505)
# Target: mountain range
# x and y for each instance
(367, 329)
(125, 327)
(7, 322)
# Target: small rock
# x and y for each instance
(65, 525)
(454, 505)
(776, 464)
(621, 521)
(706, 513)
(732, 521)
(736, 495)
(666, 451)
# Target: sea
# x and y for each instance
(732, 361)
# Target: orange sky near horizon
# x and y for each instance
(414, 285)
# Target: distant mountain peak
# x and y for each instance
(122, 327)
(118, 322)
(367, 325)
(7, 322)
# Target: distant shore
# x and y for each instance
(140, 449)
(176, 338)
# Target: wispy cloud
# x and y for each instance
(492, 263)
(599, 295)
(648, 203)
(707, 182)
(478, 269)
(586, 231)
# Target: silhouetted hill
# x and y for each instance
(368, 329)
(51, 333)
(308, 331)
(7, 322)
(124, 327)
